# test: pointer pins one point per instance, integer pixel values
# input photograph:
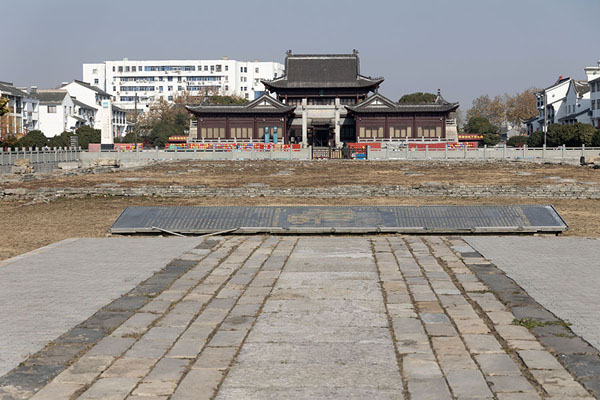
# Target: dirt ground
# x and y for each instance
(27, 227)
(278, 174)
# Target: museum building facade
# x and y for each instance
(323, 100)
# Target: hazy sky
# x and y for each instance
(464, 47)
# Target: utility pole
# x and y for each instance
(136, 119)
(545, 116)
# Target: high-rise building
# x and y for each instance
(166, 79)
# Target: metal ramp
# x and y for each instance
(341, 219)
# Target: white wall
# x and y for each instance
(52, 124)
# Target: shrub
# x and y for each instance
(517, 141)
(33, 139)
(536, 139)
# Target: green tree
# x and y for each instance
(33, 139)
(161, 132)
(482, 126)
(417, 98)
(517, 141)
(88, 135)
(596, 139)
(570, 135)
(62, 140)
(536, 139)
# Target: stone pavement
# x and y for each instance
(46, 292)
(267, 317)
(562, 274)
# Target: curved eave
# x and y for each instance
(406, 109)
(283, 84)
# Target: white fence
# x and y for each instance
(39, 156)
(557, 154)
(197, 154)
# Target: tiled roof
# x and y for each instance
(94, 88)
(322, 71)
(581, 87)
(82, 105)
(575, 115)
(9, 89)
(50, 97)
(379, 103)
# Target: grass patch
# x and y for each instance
(530, 323)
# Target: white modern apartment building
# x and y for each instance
(593, 76)
(166, 79)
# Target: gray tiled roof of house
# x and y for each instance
(82, 105)
(9, 89)
(265, 104)
(119, 109)
(379, 103)
(322, 71)
(94, 88)
(581, 87)
(575, 115)
(50, 97)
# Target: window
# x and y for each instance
(96, 81)
(212, 133)
(170, 98)
(371, 132)
(95, 71)
(120, 69)
(170, 78)
(212, 68)
(51, 109)
(256, 70)
(179, 87)
(429, 131)
(127, 69)
(400, 131)
(170, 88)
(227, 68)
(178, 79)
(133, 69)
(114, 88)
(218, 68)
(241, 133)
(206, 67)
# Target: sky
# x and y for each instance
(466, 48)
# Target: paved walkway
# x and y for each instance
(562, 274)
(45, 293)
(317, 317)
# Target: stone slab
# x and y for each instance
(340, 219)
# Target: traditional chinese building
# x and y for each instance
(323, 100)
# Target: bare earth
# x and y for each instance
(27, 227)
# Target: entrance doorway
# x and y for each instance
(322, 136)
